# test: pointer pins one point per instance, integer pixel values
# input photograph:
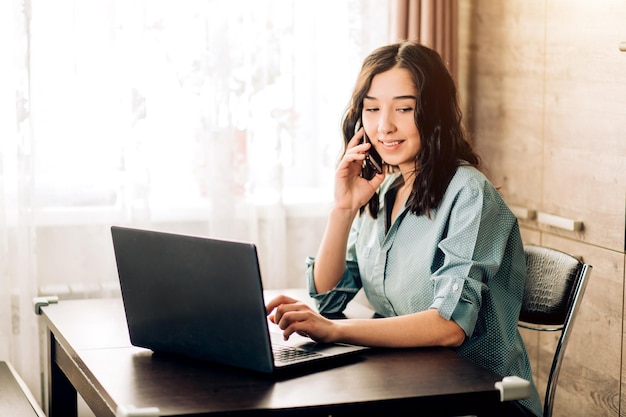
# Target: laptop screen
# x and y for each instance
(194, 296)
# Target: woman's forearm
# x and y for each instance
(426, 328)
(330, 262)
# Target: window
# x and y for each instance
(171, 104)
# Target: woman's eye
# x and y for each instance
(371, 109)
(405, 109)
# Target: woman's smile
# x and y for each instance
(390, 144)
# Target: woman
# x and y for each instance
(429, 239)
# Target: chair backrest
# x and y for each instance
(555, 283)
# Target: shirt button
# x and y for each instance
(455, 287)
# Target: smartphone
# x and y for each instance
(373, 163)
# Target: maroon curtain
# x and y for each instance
(431, 22)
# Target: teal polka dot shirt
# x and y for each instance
(466, 260)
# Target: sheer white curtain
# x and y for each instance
(213, 117)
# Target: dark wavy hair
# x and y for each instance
(444, 142)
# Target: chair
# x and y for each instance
(555, 283)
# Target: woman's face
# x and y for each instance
(389, 118)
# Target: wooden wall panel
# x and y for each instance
(585, 106)
(623, 374)
(502, 45)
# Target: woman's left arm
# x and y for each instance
(425, 328)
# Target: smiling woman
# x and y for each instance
(209, 117)
(437, 253)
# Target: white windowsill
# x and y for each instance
(315, 205)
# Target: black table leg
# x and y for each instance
(62, 400)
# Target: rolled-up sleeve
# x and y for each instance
(459, 299)
(471, 255)
(335, 300)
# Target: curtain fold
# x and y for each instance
(430, 22)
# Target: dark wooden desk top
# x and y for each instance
(94, 335)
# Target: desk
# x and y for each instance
(90, 353)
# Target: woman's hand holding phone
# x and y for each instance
(352, 189)
(373, 163)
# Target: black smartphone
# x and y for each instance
(373, 163)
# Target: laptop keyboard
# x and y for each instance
(291, 354)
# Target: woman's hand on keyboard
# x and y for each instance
(294, 316)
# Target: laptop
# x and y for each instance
(203, 298)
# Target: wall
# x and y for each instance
(543, 87)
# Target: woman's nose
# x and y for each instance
(385, 124)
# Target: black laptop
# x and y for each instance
(203, 298)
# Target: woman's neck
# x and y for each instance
(408, 178)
